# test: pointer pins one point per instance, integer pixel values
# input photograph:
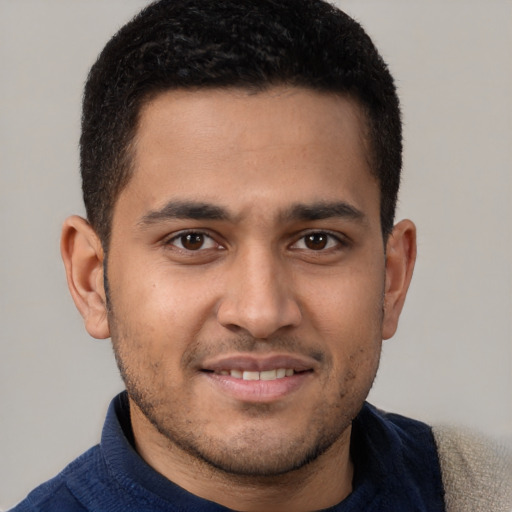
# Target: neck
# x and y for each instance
(320, 484)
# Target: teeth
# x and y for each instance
(280, 373)
(268, 375)
(251, 376)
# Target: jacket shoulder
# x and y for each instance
(55, 494)
(476, 472)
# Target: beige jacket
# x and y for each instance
(477, 474)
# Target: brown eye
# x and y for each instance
(316, 241)
(192, 241)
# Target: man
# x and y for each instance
(240, 164)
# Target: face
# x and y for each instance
(247, 273)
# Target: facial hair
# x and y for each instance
(253, 451)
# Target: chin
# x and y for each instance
(255, 454)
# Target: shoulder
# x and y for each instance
(409, 435)
(476, 472)
(398, 456)
(56, 494)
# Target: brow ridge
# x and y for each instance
(177, 209)
(324, 210)
(184, 210)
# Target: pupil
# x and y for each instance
(192, 241)
(316, 241)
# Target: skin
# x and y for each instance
(284, 266)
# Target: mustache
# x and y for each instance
(246, 344)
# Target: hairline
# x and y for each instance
(126, 158)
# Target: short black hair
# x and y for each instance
(253, 44)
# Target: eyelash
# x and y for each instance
(336, 241)
(180, 236)
(333, 242)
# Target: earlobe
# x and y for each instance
(400, 259)
(82, 254)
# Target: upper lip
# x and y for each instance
(258, 363)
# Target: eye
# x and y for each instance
(317, 241)
(193, 241)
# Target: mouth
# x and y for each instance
(279, 373)
(250, 378)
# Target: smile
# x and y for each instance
(279, 373)
(256, 378)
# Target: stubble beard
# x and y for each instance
(253, 453)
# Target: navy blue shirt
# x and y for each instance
(395, 461)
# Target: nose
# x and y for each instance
(258, 297)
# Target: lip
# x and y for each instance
(258, 391)
(254, 363)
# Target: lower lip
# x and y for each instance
(258, 391)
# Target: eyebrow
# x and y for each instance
(184, 210)
(207, 211)
(324, 210)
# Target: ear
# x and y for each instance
(400, 259)
(82, 254)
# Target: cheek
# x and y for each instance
(349, 301)
(157, 316)
(347, 313)
(158, 298)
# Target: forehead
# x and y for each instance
(235, 148)
(250, 119)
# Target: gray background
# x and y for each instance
(451, 360)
